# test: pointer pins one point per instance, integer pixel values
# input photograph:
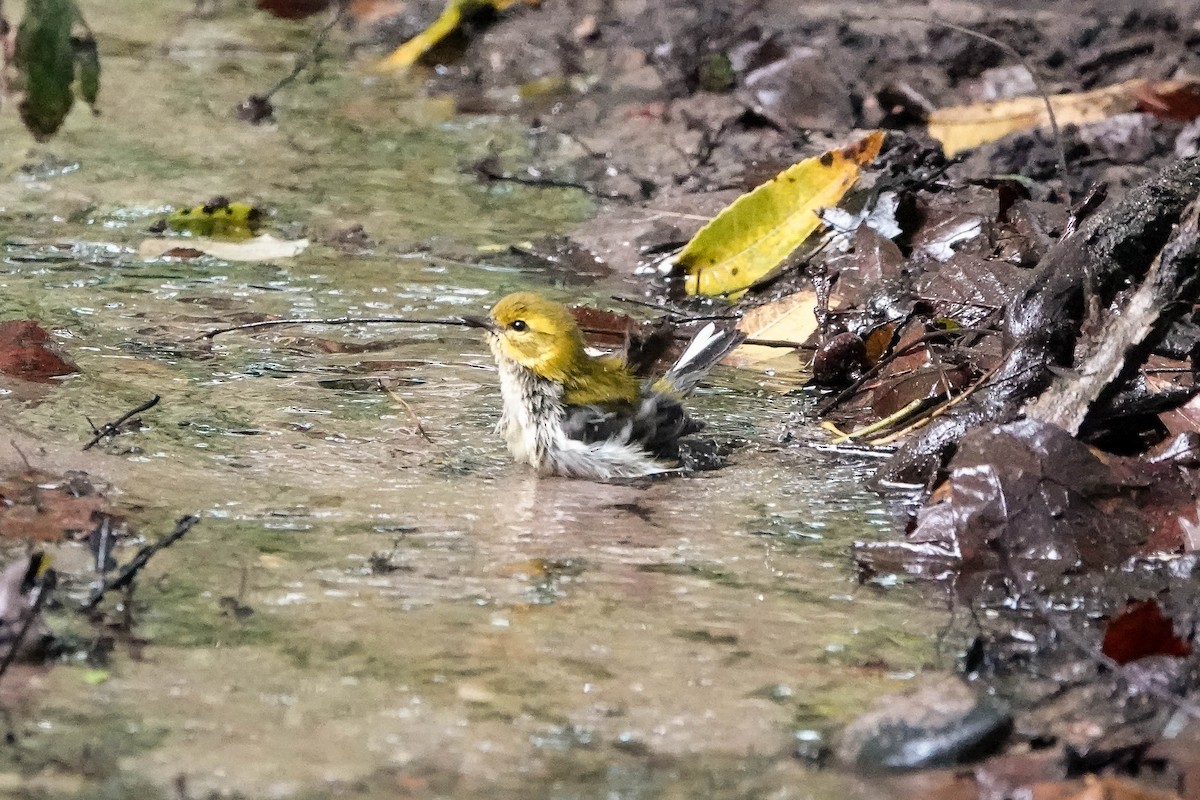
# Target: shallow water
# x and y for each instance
(428, 620)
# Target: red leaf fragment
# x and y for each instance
(27, 352)
(1141, 630)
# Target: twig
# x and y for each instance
(875, 427)
(257, 107)
(926, 338)
(1060, 149)
(678, 316)
(28, 466)
(485, 170)
(129, 572)
(307, 58)
(396, 398)
(892, 438)
(274, 323)
(113, 428)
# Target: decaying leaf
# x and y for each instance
(455, 13)
(756, 232)
(792, 319)
(260, 248)
(1030, 491)
(960, 128)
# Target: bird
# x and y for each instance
(569, 413)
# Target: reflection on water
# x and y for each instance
(369, 604)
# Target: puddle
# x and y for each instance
(366, 610)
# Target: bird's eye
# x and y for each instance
(518, 325)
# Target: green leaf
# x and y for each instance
(46, 63)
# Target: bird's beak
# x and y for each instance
(479, 322)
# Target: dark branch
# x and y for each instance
(114, 427)
(130, 571)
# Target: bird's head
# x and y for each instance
(537, 333)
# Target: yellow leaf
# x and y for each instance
(756, 232)
(451, 17)
(960, 128)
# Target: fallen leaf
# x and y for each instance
(755, 233)
(960, 128)
(792, 319)
(448, 21)
(260, 248)
(28, 352)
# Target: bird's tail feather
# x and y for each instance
(705, 349)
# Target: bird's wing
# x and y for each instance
(656, 423)
(705, 349)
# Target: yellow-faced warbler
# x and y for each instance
(567, 412)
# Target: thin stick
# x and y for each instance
(275, 323)
(307, 58)
(1012, 51)
(129, 572)
(112, 428)
(888, 421)
(892, 438)
(396, 398)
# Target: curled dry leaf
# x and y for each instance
(755, 233)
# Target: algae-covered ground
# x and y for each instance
(367, 610)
